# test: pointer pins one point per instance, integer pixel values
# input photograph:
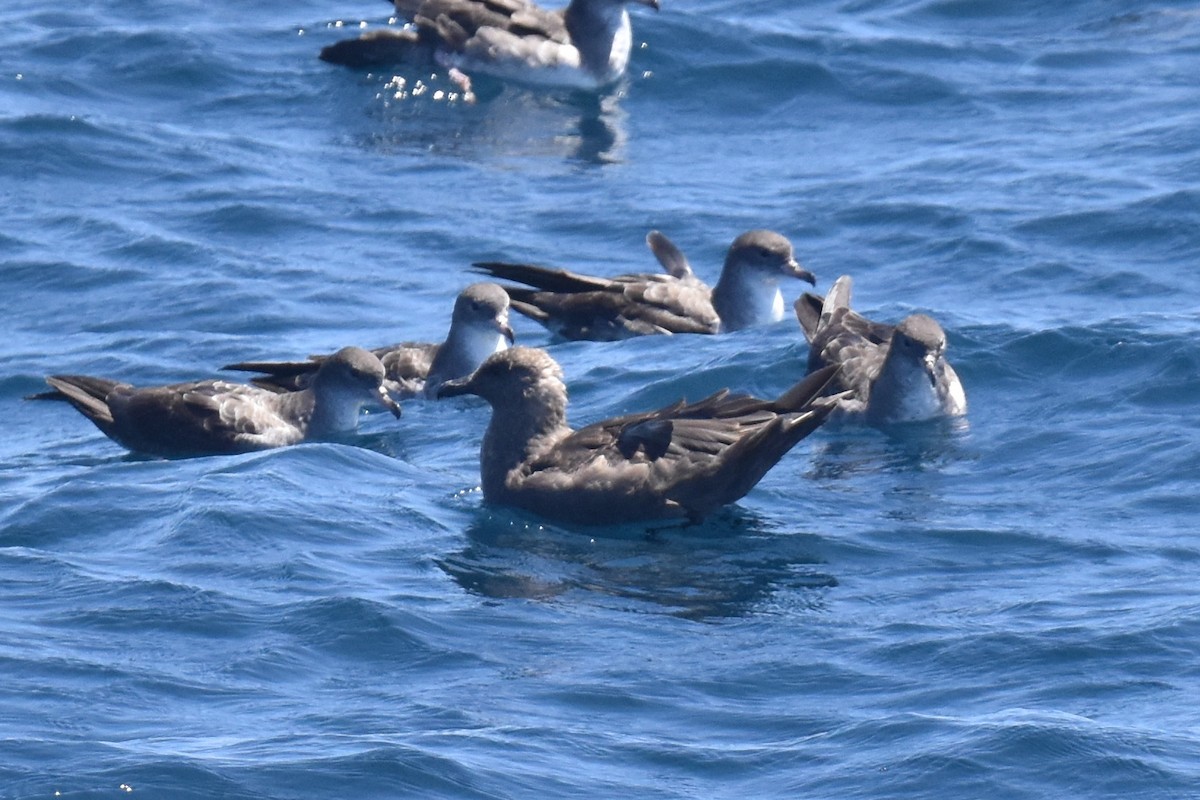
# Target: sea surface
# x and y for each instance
(1008, 608)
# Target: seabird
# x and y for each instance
(214, 417)
(684, 460)
(478, 327)
(890, 373)
(576, 306)
(583, 46)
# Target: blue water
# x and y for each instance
(1006, 610)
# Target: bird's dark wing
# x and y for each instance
(280, 376)
(682, 460)
(546, 279)
(855, 344)
(454, 22)
(197, 418)
(669, 256)
(405, 364)
(585, 307)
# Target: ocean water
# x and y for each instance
(1003, 609)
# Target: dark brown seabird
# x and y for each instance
(217, 418)
(890, 373)
(685, 460)
(583, 46)
(478, 327)
(576, 306)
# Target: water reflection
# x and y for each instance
(731, 565)
(910, 473)
(847, 449)
(503, 120)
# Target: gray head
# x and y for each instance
(357, 372)
(513, 377)
(766, 253)
(919, 337)
(916, 382)
(483, 306)
(748, 291)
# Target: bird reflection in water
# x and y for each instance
(431, 114)
(731, 565)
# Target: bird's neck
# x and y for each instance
(461, 354)
(904, 390)
(518, 432)
(472, 345)
(328, 412)
(743, 299)
(601, 32)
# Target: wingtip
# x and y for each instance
(808, 313)
(54, 393)
(805, 392)
(668, 254)
(530, 310)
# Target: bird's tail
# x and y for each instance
(382, 47)
(84, 392)
(750, 458)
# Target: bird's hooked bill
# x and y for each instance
(389, 402)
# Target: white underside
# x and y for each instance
(536, 61)
(913, 396)
(473, 346)
(479, 343)
(776, 313)
(760, 302)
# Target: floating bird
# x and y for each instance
(576, 306)
(685, 460)
(583, 46)
(216, 417)
(478, 328)
(890, 373)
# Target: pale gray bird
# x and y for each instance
(890, 373)
(685, 460)
(217, 417)
(478, 327)
(583, 46)
(576, 306)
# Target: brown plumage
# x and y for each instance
(576, 306)
(217, 417)
(585, 45)
(684, 460)
(889, 373)
(478, 328)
